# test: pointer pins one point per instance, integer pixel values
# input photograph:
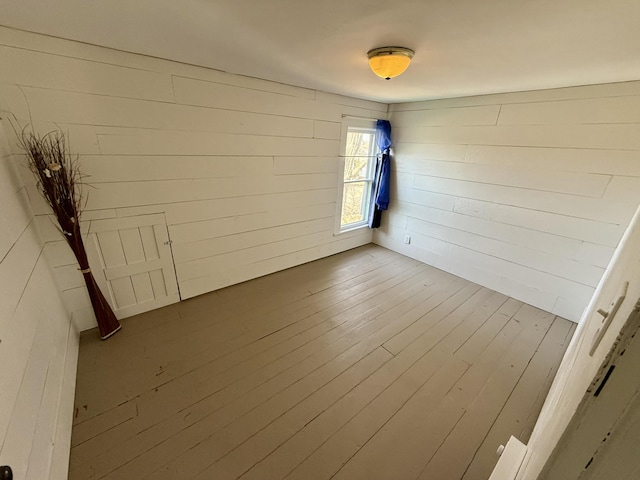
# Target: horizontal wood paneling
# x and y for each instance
(519, 254)
(181, 213)
(39, 69)
(322, 129)
(229, 243)
(625, 109)
(37, 339)
(622, 89)
(61, 106)
(203, 93)
(527, 193)
(81, 51)
(154, 142)
(114, 168)
(562, 203)
(561, 226)
(223, 227)
(541, 241)
(607, 162)
(606, 136)
(482, 115)
(130, 194)
(244, 170)
(579, 184)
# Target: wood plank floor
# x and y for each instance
(363, 365)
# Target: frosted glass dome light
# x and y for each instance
(389, 62)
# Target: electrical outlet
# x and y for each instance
(407, 239)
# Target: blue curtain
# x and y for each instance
(381, 179)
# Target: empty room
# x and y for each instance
(333, 240)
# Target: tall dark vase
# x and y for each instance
(108, 324)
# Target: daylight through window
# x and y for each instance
(359, 166)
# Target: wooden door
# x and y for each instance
(575, 427)
(601, 440)
(132, 262)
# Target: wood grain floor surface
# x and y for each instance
(363, 365)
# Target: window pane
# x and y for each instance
(357, 168)
(360, 144)
(355, 201)
(359, 165)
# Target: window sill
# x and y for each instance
(351, 229)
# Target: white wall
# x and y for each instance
(38, 344)
(244, 169)
(526, 193)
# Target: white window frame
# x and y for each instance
(347, 125)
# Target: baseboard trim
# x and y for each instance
(62, 442)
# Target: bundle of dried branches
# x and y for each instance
(57, 175)
(59, 180)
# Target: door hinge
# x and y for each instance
(604, 380)
(169, 242)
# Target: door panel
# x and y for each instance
(132, 262)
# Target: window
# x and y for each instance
(357, 177)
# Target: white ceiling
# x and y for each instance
(463, 47)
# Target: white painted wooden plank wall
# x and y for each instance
(526, 193)
(245, 170)
(38, 343)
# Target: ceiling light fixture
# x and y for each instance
(389, 62)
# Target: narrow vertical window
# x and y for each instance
(359, 166)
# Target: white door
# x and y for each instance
(132, 262)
